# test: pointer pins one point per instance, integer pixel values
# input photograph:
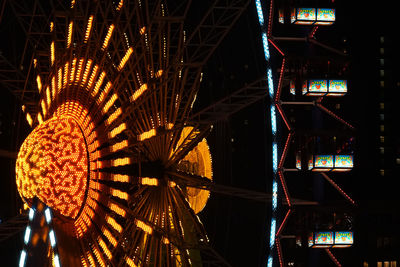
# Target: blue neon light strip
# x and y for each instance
(52, 237)
(22, 259)
(271, 92)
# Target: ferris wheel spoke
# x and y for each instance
(190, 142)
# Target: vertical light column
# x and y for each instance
(271, 93)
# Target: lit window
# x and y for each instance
(398, 161)
(382, 105)
(382, 139)
(382, 83)
(382, 128)
(382, 73)
(365, 264)
(382, 62)
(382, 117)
(382, 150)
(386, 264)
(382, 50)
(382, 173)
(382, 39)
(393, 264)
(379, 264)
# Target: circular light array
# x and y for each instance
(52, 164)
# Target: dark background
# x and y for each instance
(241, 145)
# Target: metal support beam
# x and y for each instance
(12, 226)
(204, 183)
(232, 103)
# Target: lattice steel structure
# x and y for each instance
(115, 152)
(285, 64)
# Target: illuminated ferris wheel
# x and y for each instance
(310, 143)
(115, 171)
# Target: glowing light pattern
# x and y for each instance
(138, 92)
(47, 214)
(325, 16)
(292, 88)
(343, 239)
(27, 234)
(337, 88)
(323, 161)
(145, 227)
(88, 29)
(69, 37)
(86, 72)
(271, 92)
(82, 87)
(98, 83)
(52, 164)
(66, 71)
(266, 49)
(56, 261)
(109, 236)
(312, 16)
(146, 135)
(120, 178)
(22, 259)
(29, 119)
(111, 221)
(317, 87)
(281, 17)
(305, 16)
(198, 161)
(39, 83)
(120, 162)
(130, 262)
(39, 118)
(105, 248)
(298, 161)
(323, 238)
(159, 73)
(118, 210)
(108, 36)
(120, 194)
(31, 214)
(120, 4)
(52, 238)
(259, 12)
(79, 71)
(52, 53)
(109, 103)
(125, 58)
(344, 162)
(149, 181)
(274, 195)
(44, 108)
(273, 120)
(98, 256)
(117, 130)
(272, 234)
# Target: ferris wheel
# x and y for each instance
(311, 143)
(116, 167)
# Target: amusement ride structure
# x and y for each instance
(117, 167)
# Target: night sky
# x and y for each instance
(241, 145)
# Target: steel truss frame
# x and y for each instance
(276, 250)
